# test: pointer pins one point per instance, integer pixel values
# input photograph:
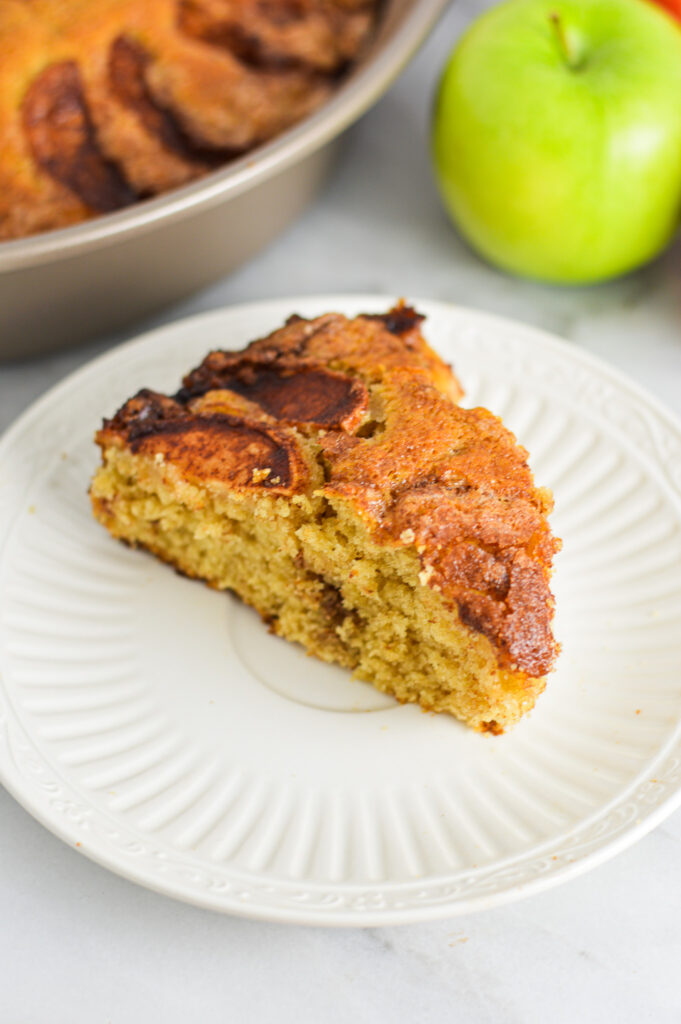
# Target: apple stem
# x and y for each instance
(561, 36)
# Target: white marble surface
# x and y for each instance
(80, 946)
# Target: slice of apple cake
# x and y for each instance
(328, 476)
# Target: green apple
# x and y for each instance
(557, 136)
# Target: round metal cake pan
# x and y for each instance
(62, 287)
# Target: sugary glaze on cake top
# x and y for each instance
(103, 102)
(380, 410)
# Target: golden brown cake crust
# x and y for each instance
(420, 470)
(103, 102)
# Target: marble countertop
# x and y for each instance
(81, 946)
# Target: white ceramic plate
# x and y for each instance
(156, 725)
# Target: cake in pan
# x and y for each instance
(328, 476)
(103, 102)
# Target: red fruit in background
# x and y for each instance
(673, 6)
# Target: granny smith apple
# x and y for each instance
(557, 136)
